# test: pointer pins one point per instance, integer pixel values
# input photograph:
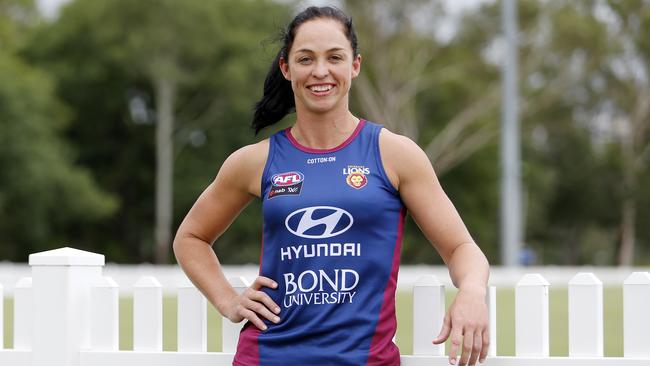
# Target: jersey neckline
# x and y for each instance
(299, 146)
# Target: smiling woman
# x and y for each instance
(335, 190)
(322, 68)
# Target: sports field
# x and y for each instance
(613, 309)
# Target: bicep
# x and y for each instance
(428, 204)
(219, 204)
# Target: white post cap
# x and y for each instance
(104, 282)
(638, 278)
(533, 279)
(147, 282)
(427, 280)
(585, 279)
(66, 257)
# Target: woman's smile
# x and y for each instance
(321, 90)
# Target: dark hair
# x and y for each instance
(278, 99)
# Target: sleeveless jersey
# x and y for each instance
(332, 237)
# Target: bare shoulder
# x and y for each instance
(244, 167)
(254, 154)
(401, 157)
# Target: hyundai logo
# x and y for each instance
(318, 222)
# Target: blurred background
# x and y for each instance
(116, 114)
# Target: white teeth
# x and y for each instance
(320, 88)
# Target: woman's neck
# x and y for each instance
(323, 131)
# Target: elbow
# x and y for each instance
(177, 246)
(185, 241)
(180, 243)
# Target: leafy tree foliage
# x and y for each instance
(81, 92)
(582, 73)
(106, 55)
(44, 196)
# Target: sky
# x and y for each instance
(445, 29)
(50, 7)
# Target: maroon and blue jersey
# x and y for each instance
(332, 237)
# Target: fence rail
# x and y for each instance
(67, 314)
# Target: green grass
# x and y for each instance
(8, 322)
(169, 325)
(613, 332)
(558, 327)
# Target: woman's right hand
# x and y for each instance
(253, 304)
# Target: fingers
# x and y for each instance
(444, 332)
(252, 317)
(261, 303)
(486, 345)
(256, 305)
(476, 348)
(473, 346)
(456, 344)
(466, 326)
(255, 294)
(466, 348)
(262, 281)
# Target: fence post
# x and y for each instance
(62, 281)
(23, 314)
(229, 330)
(147, 315)
(2, 312)
(531, 316)
(104, 324)
(585, 316)
(192, 319)
(492, 319)
(636, 297)
(428, 315)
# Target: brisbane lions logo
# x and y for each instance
(356, 180)
(356, 176)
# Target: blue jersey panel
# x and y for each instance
(331, 239)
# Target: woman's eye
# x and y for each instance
(336, 57)
(304, 60)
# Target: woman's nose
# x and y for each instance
(320, 70)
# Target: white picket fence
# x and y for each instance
(66, 314)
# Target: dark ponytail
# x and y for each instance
(278, 99)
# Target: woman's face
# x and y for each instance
(321, 66)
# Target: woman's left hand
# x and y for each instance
(466, 321)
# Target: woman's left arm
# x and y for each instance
(410, 171)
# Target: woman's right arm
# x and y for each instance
(236, 184)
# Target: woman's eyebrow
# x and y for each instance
(307, 50)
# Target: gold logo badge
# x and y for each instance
(355, 176)
(356, 180)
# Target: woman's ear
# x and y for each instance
(284, 67)
(356, 66)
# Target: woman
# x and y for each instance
(335, 190)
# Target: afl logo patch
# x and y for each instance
(289, 183)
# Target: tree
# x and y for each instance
(601, 106)
(445, 95)
(44, 196)
(600, 45)
(121, 66)
(583, 111)
(628, 106)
